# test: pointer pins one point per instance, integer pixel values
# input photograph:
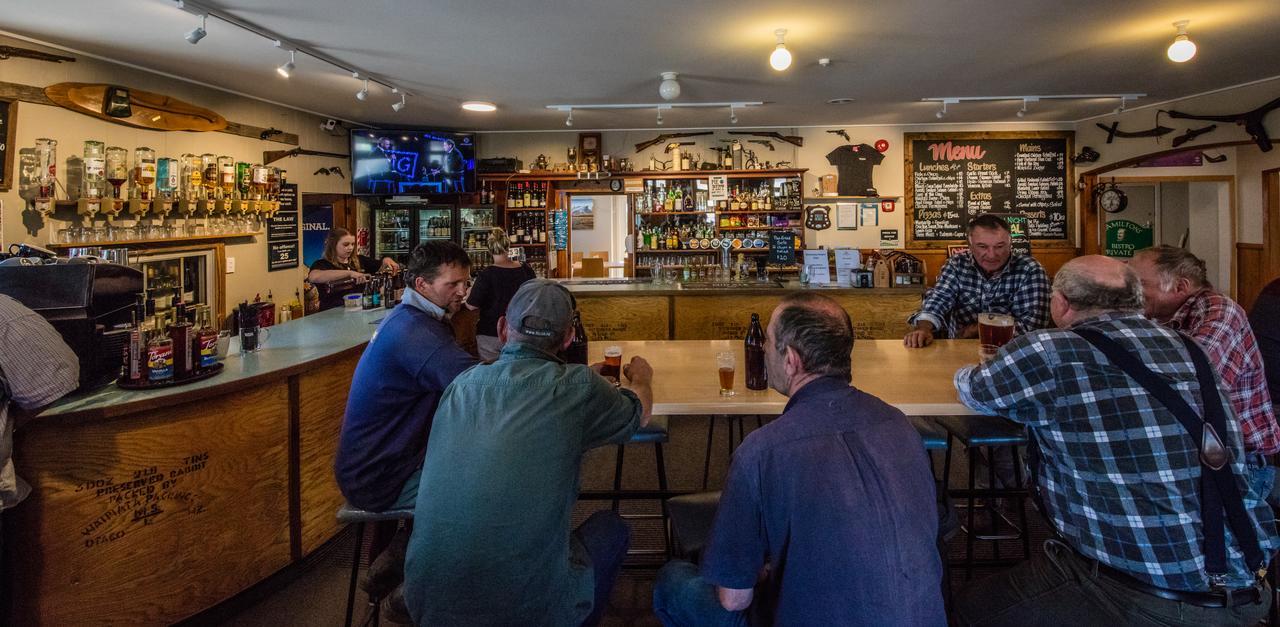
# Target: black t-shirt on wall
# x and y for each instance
(492, 292)
(333, 298)
(853, 167)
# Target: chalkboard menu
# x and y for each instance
(953, 177)
(283, 247)
(782, 247)
(8, 124)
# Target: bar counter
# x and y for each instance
(627, 309)
(151, 506)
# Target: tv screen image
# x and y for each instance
(412, 162)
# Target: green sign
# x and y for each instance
(1125, 237)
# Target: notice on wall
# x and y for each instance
(819, 269)
(847, 216)
(283, 247)
(954, 177)
(719, 187)
(560, 229)
(888, 238)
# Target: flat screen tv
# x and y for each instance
(393, 162)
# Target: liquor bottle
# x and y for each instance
(688, 201)
(366, 297)
(757, 374)
(181, 336)
(576, 353)
(514, 198)
(528, 197)
(159, 358)
(206, 341)
(388, 293)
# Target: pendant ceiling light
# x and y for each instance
(781, 57)
(1182, 49)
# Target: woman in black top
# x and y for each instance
(492, 292)
(340, 271)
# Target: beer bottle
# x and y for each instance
(757, 377)
(577, 351)
(388, 293)
(366, 298)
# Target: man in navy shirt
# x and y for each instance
(403, 372)
(829, 511)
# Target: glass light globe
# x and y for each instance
(781, 58)
(1182, 49)
(669, 88)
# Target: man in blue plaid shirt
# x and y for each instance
(1118, 474)
(989, 278)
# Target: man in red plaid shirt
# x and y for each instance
(1178, 295)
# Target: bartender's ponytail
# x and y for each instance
(499, 243)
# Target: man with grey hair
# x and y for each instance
(1179, 296)
(1118, 409)
(828, 512)
(491, 542)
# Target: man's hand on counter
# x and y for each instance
(921, 337)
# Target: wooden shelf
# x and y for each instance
(167, 240)
(817, 199)
(547, 175)
(758, 228)
(510, 209)
(700, 251)
(533, 245)
(773, 211)
(675, 213)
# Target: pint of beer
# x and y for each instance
(725, 363)
(994, 330)
(612, 363)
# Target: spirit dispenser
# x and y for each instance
(168, 177)
(46, 175)
(94, 180)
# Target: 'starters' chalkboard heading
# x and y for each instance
(953, 177)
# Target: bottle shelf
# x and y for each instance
(760, 212)
(136, 242)
(759, 228)
(819, 199)
(675, 213)
(700, 251)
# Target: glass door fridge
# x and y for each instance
(392, 232)
(435, 222)
(187, 276)
(475, 223)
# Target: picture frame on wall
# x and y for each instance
(8, 133)
(582, 214)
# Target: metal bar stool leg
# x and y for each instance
(992, 508)
(970, 532)
(355, 574)
(1022, 505)
(662, 487)
(617, 477)
(706, 463)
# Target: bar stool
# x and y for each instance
(349, 515)
(655, 433)
(733, 421)
(991, 432)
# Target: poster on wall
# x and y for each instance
(719, 187)
(582, 214)
(1126, 236)
(282, 232)
(317, 220)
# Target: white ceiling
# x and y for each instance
(526, 55)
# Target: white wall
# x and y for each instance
(17, 224)
(1175, 213)
(601, 237)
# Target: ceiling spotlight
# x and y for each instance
(397, 106)
(781, 57)
(569, 120)
(669, 88)
(363, 93)
(943, 113)
(1026, 101)
(197, 33)
(479, 105)
(285, 69)
(839, 101)
(659, 117)
(1182, 48)
(733, 118)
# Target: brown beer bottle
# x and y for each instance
(757, 377)
(576, 353)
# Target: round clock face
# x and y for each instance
(615, 185)
(1113, 200)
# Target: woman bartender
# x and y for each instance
(340, 271)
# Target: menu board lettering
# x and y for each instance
(952, 178)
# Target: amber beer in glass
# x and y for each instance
(612, 363)
(725, 363)
(994, 330)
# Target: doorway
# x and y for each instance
(598, 230)
(1196, 213)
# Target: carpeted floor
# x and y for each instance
(318, 596)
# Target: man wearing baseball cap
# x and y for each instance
(491, 543)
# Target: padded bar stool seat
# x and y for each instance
(349, 515)
(992, 433)
(933, 436)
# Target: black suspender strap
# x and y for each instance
(1219, 491)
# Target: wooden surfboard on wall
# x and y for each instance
(146, 109)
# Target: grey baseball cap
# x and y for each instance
(540, 308)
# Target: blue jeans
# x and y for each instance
(606, 537)
(683, 598)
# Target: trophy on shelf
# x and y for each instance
(93, 181)
(46, 175)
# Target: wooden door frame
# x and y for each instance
(345, 207)
(1271, 224)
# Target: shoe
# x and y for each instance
(387, 570)
(394, 610)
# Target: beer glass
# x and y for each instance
(994, 330)
(725, 362)
(612, 363)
